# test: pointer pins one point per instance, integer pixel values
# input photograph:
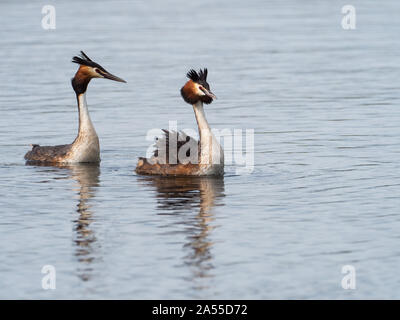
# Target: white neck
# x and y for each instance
(210, 150)
(86, 147)
(86, 127)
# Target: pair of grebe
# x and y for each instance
(86, 147)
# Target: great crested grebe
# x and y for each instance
(209, 154)
(85, 148)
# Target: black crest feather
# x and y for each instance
(198, 77)
(86, 61)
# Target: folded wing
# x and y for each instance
(47, 154)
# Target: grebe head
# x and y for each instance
(88, 70)
(197, 88)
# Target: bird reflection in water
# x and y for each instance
(192, 199)
(86, 177)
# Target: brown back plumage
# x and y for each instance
(47, 154)
(176, 168)
(163, 145)
(146, 168)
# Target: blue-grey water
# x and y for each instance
(324, 192)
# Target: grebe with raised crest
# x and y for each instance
(86, 147)
(210, 155)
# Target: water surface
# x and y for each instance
(324, 104)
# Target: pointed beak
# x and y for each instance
(208, 93)
(112, 77)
